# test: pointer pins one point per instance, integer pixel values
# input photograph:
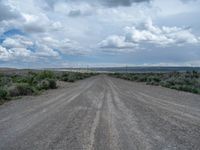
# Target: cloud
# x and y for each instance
(17, 41)
(70, 47)
(45, 51)
(114, 3)
(4, 54)
(73, 28)
(66, 46)
(22, 48)
(7, 13)
(39, 23)
(79, 13)
(16, 48)
(19, 54)
(51, 3)
(118, 42)
(106, 3)
(74, 9)
(161, 36)
(158, 36)
(74, 13)
(187, 1)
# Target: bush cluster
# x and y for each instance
(26, 84)
(32, 82)
(183, 81)
(74, 76)
(20, 89)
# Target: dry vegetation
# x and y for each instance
(33, 82)
(185, 81)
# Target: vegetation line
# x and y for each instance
(33, 82)
(183, 81)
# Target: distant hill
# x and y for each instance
(146, 69)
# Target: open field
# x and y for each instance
(102, 113)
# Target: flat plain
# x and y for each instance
(102, 113)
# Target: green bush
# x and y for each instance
(46, 84)
(32, 82)
(3, 94)
(5, 81)
(64, 77)
(45, 75)
(185, 81)
(74, 76)
(142, 79)
(52, 84)
(20, 89)
(43, 85)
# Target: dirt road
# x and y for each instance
(102, 113)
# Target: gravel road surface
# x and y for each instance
(102, 113)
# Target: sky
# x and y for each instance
(99, 33)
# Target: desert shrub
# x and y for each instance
(45, 75)
(25, 84)
(43, 85)
(5, 81)
(185, 81)
(52, 84)
(74, 76)
(20, 89)
(3, 94)
(46, 84)
(135, 78)
(32, 82)
(19, 79)
(65, 77)
(195, 90)
(152, 83)
(142, 79)
(188, 88)
(165, 84)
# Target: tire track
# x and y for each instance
(128, 123)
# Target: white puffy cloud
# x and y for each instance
(70, 47)
(158, 36)
(20, 54)
(4, 54)
(34, 24)
(19, 47)
(39, 23)
(26, 55)
(45, 51)
(17, 41)
(161, 36)
(66, 46)
(115, 41)
(173, 7)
